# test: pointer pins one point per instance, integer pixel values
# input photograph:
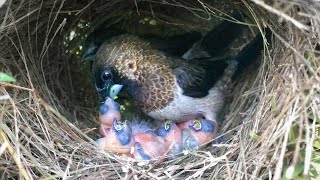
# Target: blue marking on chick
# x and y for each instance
(124, 136)
(164, 129)
(206, 126)
(162, 132)
(188, 141)
(139, 149)
(103, 109)
(116, 106)
(124, 133)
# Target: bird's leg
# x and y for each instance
(171, 134)
(109, 110)
(119, 139)
(196, 132)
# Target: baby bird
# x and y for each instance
(148, 146)
(187, 135)
(171, 134)
(136, 139)
(108, 112)
(195, 133)
(119, 139)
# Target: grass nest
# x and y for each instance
(48, 116)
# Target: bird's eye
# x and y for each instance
(106, 75)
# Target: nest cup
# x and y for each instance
(48, 116)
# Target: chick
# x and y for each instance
(108, 112)
(119, 139)
(136, 139)
(197, 132)
(172, 136)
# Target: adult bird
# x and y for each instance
(189, 90)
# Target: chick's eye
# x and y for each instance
(106, 76)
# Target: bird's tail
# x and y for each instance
(226, 70)
(217, 41)
(249, 54)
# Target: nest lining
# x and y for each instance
(44, 126)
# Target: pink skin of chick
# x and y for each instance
(196, 132)
(148, 146)
(171, 134)
(119, 139)
(109, 111)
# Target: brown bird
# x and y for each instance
(189, 93)
(164, 87)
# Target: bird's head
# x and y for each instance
(122, 131)
(126, 60)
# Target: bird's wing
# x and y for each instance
(197, 80)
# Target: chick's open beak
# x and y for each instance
(118, 139)
(197, 132)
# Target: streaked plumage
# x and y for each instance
(165, 87)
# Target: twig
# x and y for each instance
(4, 84)
(279, 13)
(277, 174)
(13, 154)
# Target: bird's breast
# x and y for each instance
(156, 90)
(182, 107)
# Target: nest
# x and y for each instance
(48, 115)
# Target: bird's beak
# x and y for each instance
(118, 125)
(203, 126)
(109, 90)
(165, 128)
(114, 90)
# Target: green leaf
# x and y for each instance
(300, 178)
(273, 103)
(292, 136)
(308, 55)
(314, 172)
(6, 78)
(316, 144)
(294, 171)
(153, 22)
(254, 136)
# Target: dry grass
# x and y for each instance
(272, 121)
